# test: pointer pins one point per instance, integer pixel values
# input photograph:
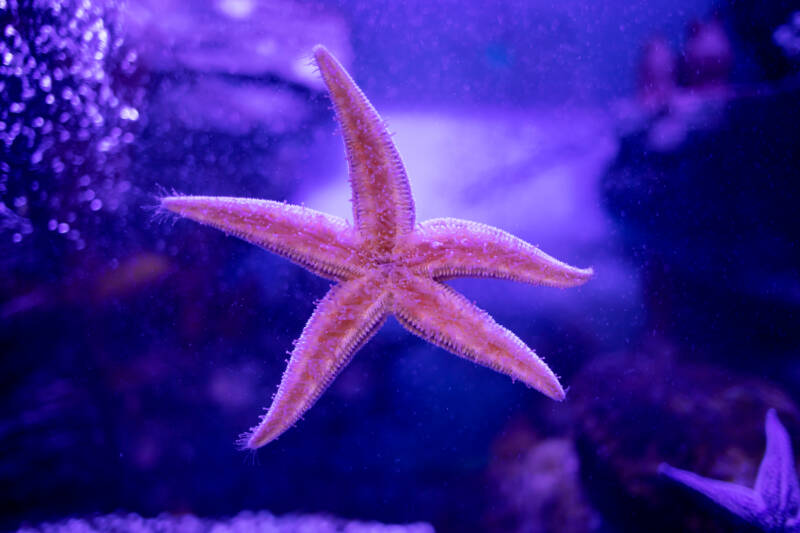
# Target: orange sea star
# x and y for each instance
(384, 264)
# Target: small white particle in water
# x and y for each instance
(52, 224)
(7, 57)
(63, 227)
(49, 99)
(20, 201)
(46, 83)
(96, 204)
(16, 237)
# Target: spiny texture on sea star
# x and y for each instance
(384, 264)
(774, 503)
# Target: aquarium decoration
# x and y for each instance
(384, 264)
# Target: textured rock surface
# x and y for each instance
(535, 486)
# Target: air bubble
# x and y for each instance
(105, 145)
(129, 113)
(63, 112)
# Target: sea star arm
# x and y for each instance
(741, 501)
(443, 317)
(322, 243)
(343, 321)
(383, 207)
(446, 248)
(776, 481)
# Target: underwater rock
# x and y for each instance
(754, 24)
(787, 37)
(656, 77)
(244, 522)
(711, 218)
(639, 409)
(535, 485)
(243, 38)
(237, 108)
(233, 66)
(707, 55)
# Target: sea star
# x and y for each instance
(384, 264)
(774, 503)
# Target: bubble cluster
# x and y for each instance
(68, 110)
